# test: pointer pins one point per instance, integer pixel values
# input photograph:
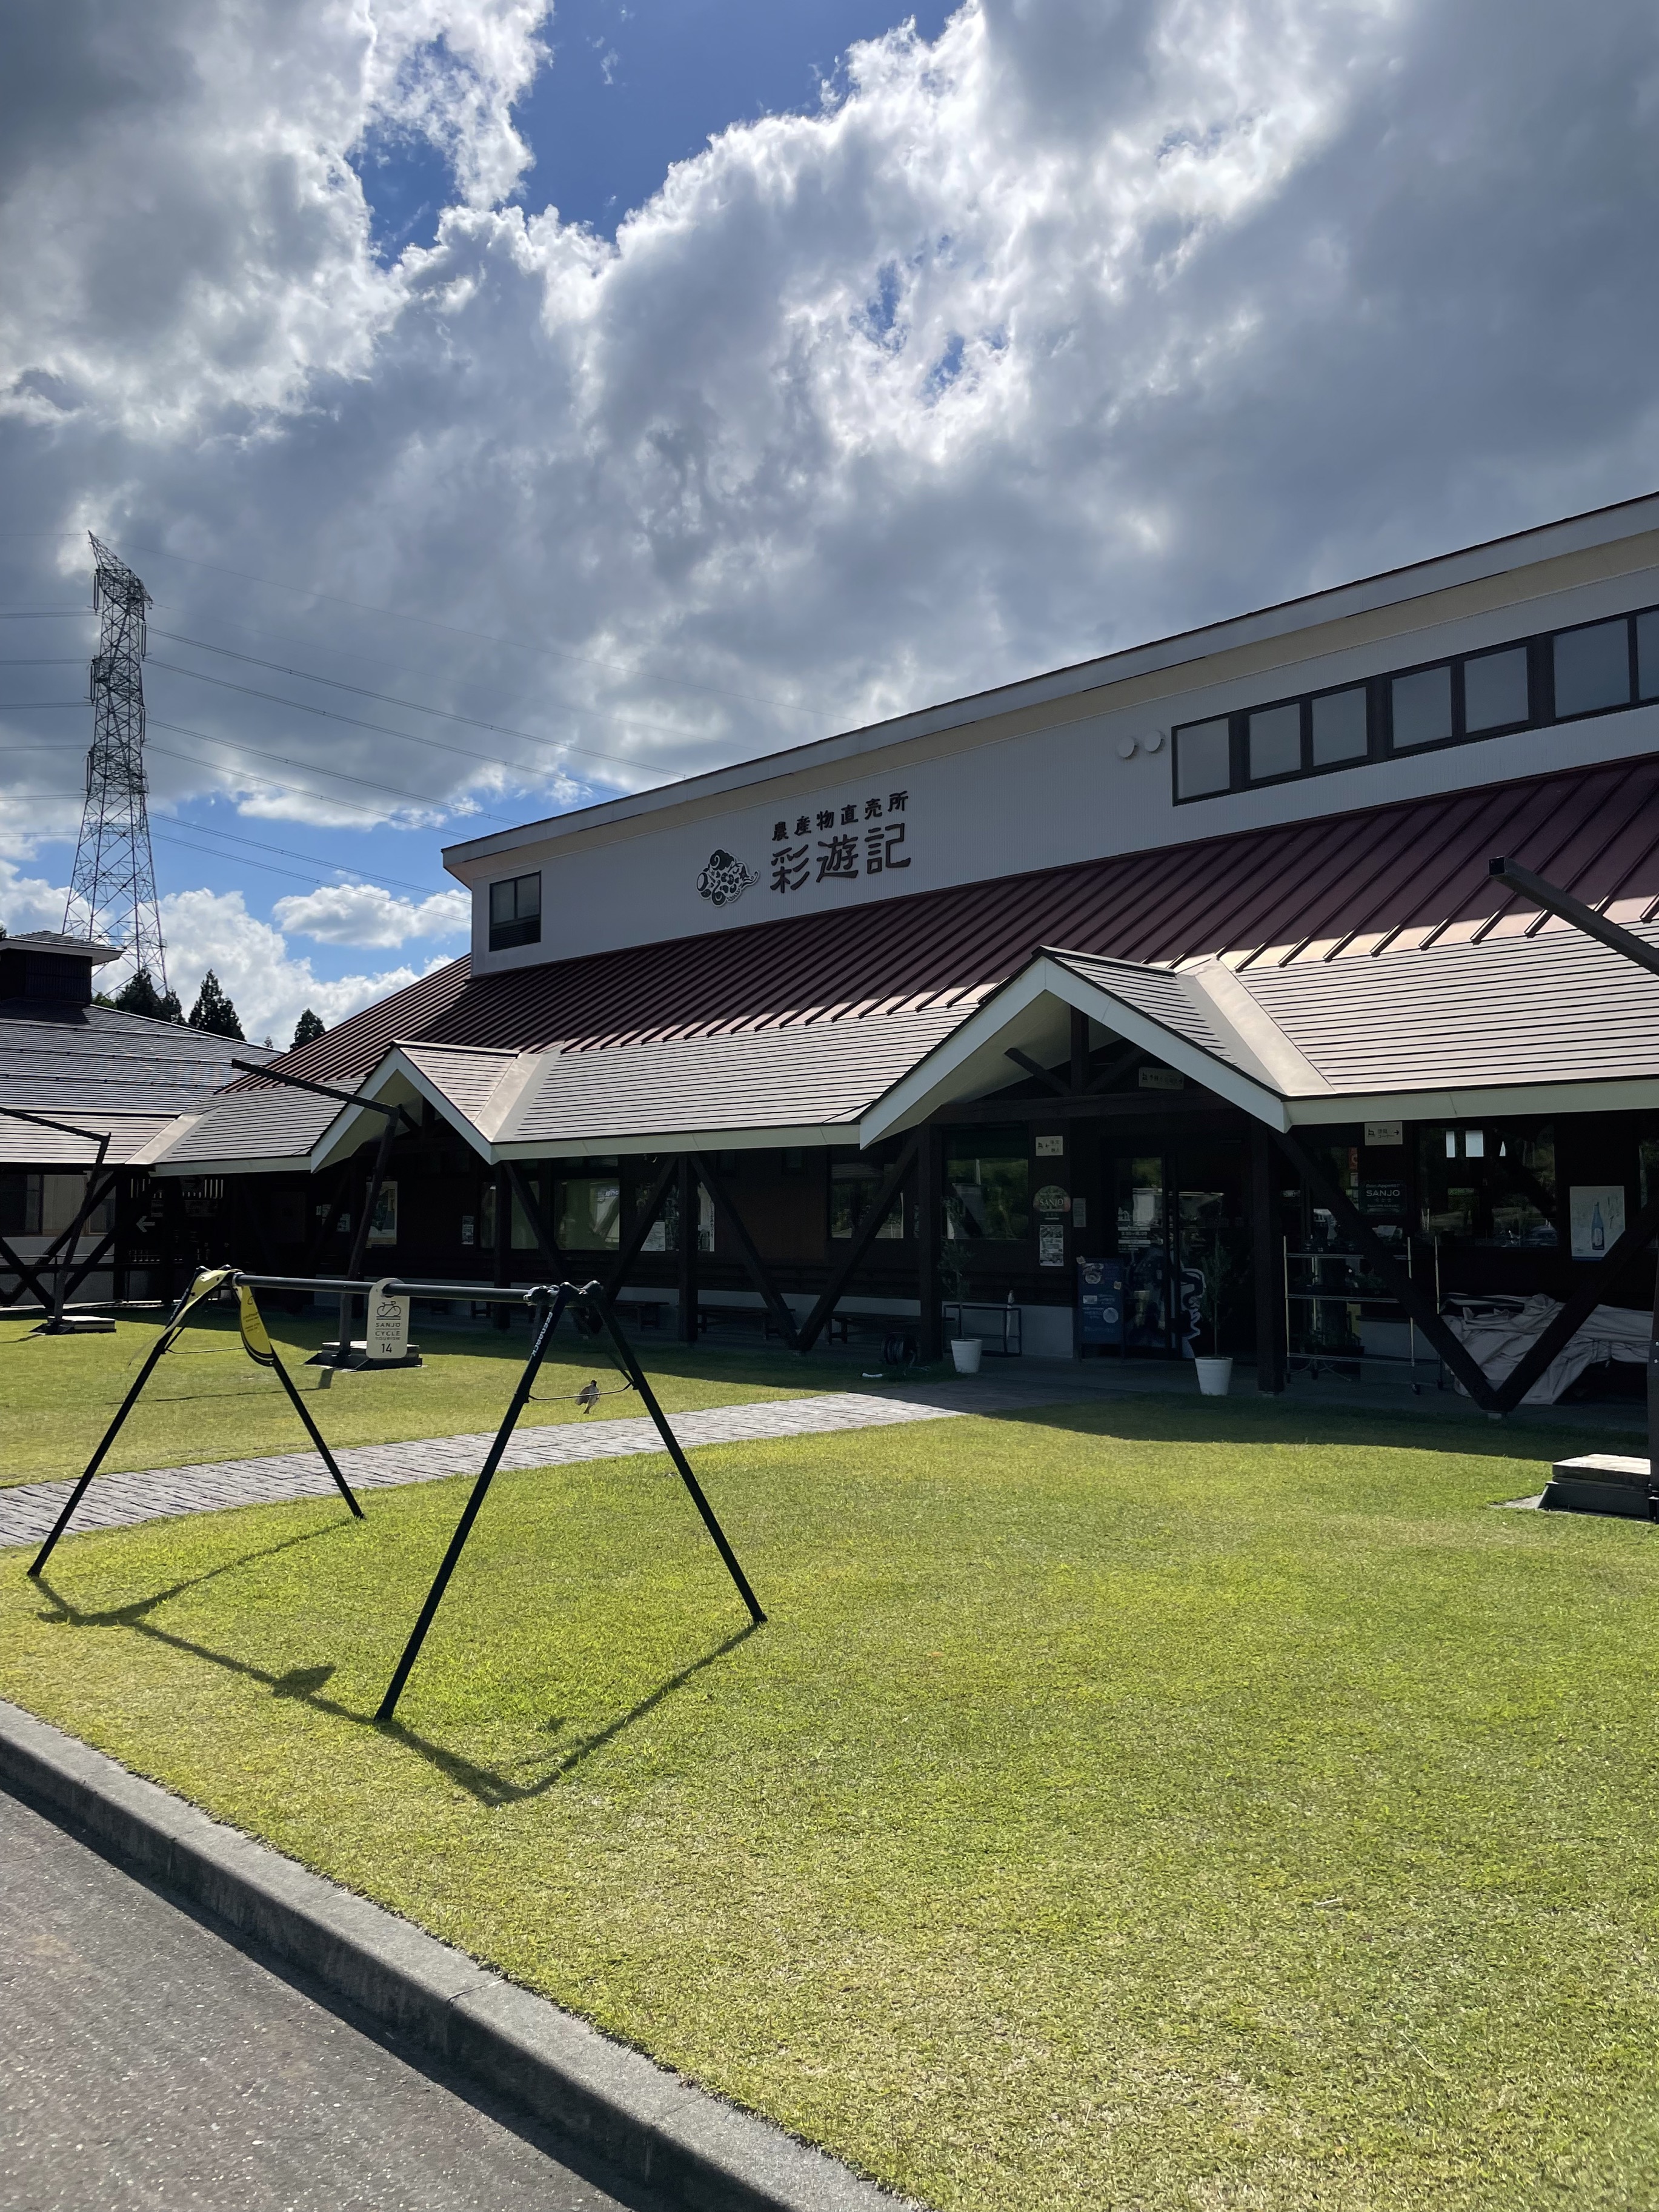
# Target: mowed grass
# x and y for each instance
(207, 1400)
(1143, 1805)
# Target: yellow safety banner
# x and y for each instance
(256, 1339)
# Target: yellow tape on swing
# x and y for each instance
(255, 1338)
(203, 1286)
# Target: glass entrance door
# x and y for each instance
(1180, 1225)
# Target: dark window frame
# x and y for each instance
(520, 927)
(1539, 646)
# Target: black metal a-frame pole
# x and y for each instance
(589, 1299)
(163, 1343)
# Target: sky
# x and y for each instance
(509, 406)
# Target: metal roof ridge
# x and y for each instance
(1263, 1045)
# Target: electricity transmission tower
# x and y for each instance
(113, 890)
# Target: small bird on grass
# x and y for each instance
(588, 1397)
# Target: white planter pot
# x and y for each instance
(969, 1351)
(1214, 1377)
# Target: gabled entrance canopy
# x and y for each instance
(1547, 1023)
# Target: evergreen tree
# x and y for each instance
(307, 1030)
(213, 1011)
(140, 996)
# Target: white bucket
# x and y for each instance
(969, 1351)
(1214, 1377)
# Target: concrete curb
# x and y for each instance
(647, 2124)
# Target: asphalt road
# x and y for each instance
(146, 2062)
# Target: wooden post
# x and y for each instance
(930, 1225)
(686, 1186)
(1079, 1052)
(1268, 1261)
(500, 1315)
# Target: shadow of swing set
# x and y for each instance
(589, 1310)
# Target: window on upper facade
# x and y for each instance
(1275, 742)
(1647, 656)
(1592, 668)
(1528, 683)
(1341, 726)
(1420, 708)
(1495, 690)
(1203, 759)
(515, 913)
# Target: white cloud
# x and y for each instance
(362, 914)
(1087, 322)
(268, 987)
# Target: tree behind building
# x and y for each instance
(307, 1030)
(213, 1011)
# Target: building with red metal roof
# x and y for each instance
(1192, 951)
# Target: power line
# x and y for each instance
(258, 845)
(299, 790)
(29, 706)
(456, 630)
(356, 721)
(269, 867)
(361, 691)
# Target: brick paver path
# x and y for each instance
(28, 1511)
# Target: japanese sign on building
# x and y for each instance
(830, 844)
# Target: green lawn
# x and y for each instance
(207, 1400)
(1154, 1804)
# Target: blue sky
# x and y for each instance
(1070, 323)
(632, 86)
(635, 86)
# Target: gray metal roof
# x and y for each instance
(26, 1145)
(99, 1066)
(247, 1130)
(90, 949)
(1554, 1008)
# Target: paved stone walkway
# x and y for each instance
(114, 1501)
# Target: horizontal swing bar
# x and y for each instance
(395, 1287)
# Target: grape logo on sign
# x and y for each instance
(724, 879)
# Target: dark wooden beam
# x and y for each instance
(1130, 1105)
(1079, 1052)
(1034, 1067)
(553, 1258)
(1554, 901)
(26, 1278)
(930, 1229)
(862, 1237)
(1117, 1067)
(726, 1214)
(1594, 1286)
(685, 1320)
(1403, 1287)
(1268, 1264)
(640, 1228)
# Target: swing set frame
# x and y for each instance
(547, 1302)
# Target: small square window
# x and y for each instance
(1495, 690)
(1592, 668)
(1203, 759)
(1647, 656)
(1422, 708)
(1339, 726)
(1275, 742)
(515, 913)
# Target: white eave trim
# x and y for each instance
(926, 1088)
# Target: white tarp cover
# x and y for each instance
(1499, 1339)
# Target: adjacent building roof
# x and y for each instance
(104, 1070)
(1374, 902)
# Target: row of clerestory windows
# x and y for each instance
(1593, 668)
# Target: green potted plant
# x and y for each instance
(966, 1351)
(1215, 1367)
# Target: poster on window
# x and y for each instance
(1051, 1245)
(1597, 1213)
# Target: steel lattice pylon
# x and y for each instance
(113, 890)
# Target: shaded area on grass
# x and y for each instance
(1138, 1802)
